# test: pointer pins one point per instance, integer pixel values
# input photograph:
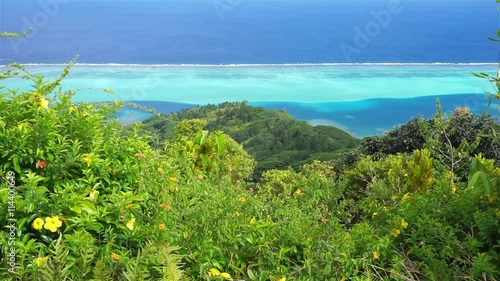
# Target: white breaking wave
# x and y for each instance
(278, 65)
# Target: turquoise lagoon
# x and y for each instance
(363, 99)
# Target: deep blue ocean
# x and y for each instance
(249, 31)
(449, 37)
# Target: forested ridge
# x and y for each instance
(273, 137)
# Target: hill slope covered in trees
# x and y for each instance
(273, 137)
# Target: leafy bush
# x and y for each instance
(462, 127)
(78, 191)
(89, 200)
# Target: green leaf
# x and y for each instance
(486, 183)
(473, 164)
(251, 275)
(88, 207)
(221, 142)
(474, 179)
(17, 167)
(76, 209)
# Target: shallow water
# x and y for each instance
(363, 99)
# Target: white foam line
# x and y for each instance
(276, 65)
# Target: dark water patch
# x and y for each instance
(375, 116)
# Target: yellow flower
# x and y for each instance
(20, 126)
(253, 220)
(213, 272)
(242, 199)
(453, 188)
(298, 192)
(35, 95)
(385, 208)
(72, 109)
(93, 193)
(200, 177)
(52, 223)
(43, 103)
(404, 224)
(497, 171)
(160, 170)
(38, 224)
(281, 279)
(376, 255)
(130, 223)
(41, 261)
(87, 159)
(374, 214)
(225, 275)
(115, 256)
(406, 197)
(395, 232)
(161, 226)
(238, 214)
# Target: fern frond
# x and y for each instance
(135, 270)
(57, 266)
(100, 273)
(167, 263)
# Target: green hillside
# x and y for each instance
(273, 137)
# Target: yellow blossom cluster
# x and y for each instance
(44, 103)
(87, 159)
(216, 273)
(395, 231)
(406, 197)
(51, 223)
(130, 223)
(41, 261)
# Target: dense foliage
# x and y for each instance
(272, 137)
(463, 127)
(454, 138)
(91, 200)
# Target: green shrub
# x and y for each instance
(78, 190)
